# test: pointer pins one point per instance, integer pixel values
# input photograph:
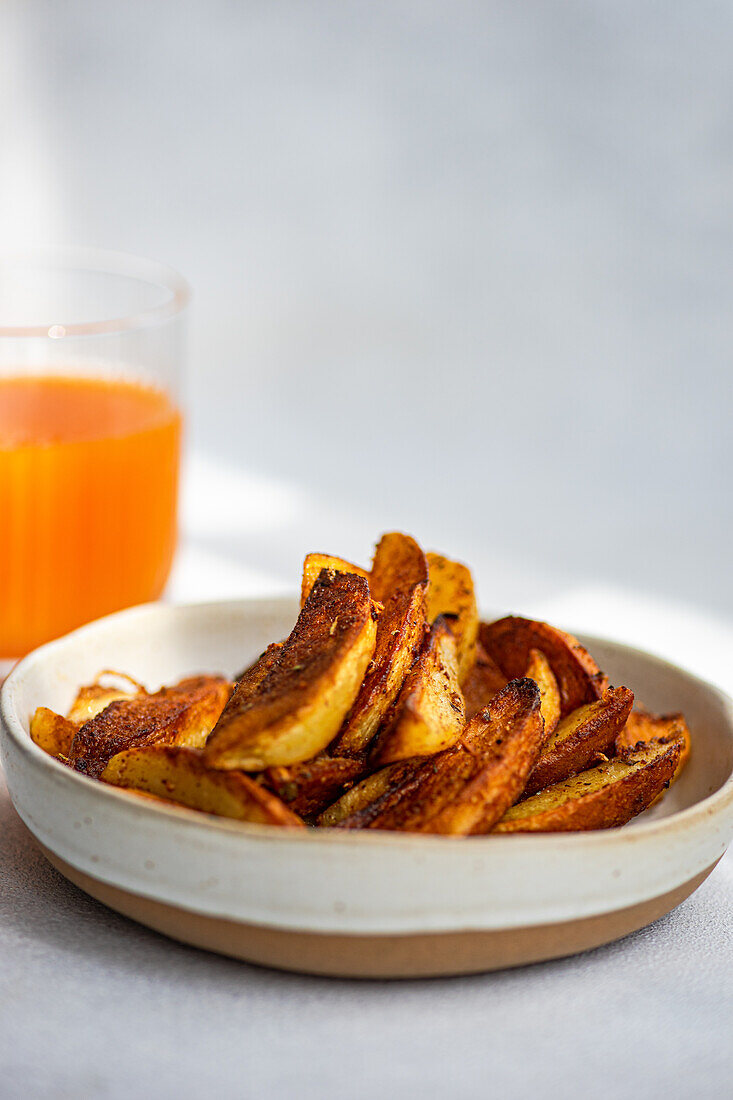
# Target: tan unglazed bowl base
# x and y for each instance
(425, 955)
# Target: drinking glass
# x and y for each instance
(91, 354)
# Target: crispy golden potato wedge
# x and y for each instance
(313, 565)
(52, 732)
(538, 669)
(515, 735)
(398, 580)
(310, 787)
(180, 715)
(367, 791)
(600, 798)
(484, 681)
(399, 565)
(180, 775)
(580, 737)
(465, 789)
(93, 698)
(509, 641)
(402, 800)
(450, 592)
(642, 727)
(430, 712)
(299, 707)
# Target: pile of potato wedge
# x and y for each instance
(389, 706)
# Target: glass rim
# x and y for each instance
(103, 261)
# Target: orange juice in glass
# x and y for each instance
(90, 430)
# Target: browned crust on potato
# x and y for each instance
(510, 640)
(250, 678)
(484, 681)
(314, 563)
(398, 581)
(366, 791)
(642, 727)
(298, 707)
(466, 788)
(580, 737)
(399, 566)
(513, 745)
(310, 787)
(180, 775)
(429, 713)
(378, 797)
(600, 798)
(451, 592)
(182, 714)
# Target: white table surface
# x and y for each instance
(94, 1005)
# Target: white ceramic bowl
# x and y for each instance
(369, 904)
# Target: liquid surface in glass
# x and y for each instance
(88, 489)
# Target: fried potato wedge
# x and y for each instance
(181, 775)
(299, 707)
(430, 712)
(92, 699)
(580, 737)
(310, 787)
(600, 798)
(538, 669)
(52, 732)
(451, 592)
(510, 640)
(179, 715)
(313, 565)
(642, 727)
(398, 580)
(514, 741)
(367, 791)
(484, 681)
(465, 789)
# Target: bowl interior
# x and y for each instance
(159, 644)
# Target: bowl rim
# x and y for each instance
(11, 726)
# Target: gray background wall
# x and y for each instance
(461, 267)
